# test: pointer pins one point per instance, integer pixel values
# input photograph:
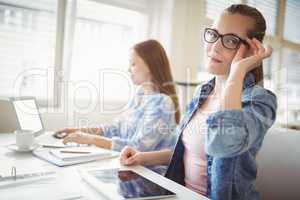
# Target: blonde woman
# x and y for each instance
(224, 126)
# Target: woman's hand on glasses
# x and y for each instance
(243, 63)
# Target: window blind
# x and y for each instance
(103, 37)
(269, 9)
(27, 47)
(292, 22)
(214, 8)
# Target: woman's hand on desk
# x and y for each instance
(62, 133)
(80, 138)
(88, 138)
(66, 131)
(130, 156)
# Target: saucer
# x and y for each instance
(14, 147)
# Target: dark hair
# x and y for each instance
(258, 31)
(154, 55)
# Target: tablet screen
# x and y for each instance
(129, 185)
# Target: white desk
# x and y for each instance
(68, 180)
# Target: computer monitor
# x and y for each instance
(27, 113)
(8, 119)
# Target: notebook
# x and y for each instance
(77, 153)
(47, 155)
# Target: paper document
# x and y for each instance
(75, 153)
(59, 158)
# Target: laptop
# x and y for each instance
(28, 118)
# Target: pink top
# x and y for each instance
(194, 155)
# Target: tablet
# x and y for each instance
(124, 184)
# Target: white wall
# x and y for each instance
(176, 23)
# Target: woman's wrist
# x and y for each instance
(94, 131)
(143, 159)
(151, 158)
(237, 73)
(231, 97)
(236, 78)
(92, 140)
(101, 141)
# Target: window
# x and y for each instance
(27, 50)
(292, 22)
(269, 9)
(291, 61)
(83, 38)
(290, 76)
(102, 40)
(214, 8)
(288, 90)
(289, 80)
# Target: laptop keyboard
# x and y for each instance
(47, 139)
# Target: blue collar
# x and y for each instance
(206, 89)
(249, 81)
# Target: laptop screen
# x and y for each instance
(28, 115)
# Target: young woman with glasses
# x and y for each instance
(228, 117)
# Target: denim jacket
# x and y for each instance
(232, 141)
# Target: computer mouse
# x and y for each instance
(60, 135)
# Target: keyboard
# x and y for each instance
(47, 140)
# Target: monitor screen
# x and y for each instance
(28, 115)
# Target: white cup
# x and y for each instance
(24, 139)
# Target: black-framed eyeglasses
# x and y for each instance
(229, 41)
